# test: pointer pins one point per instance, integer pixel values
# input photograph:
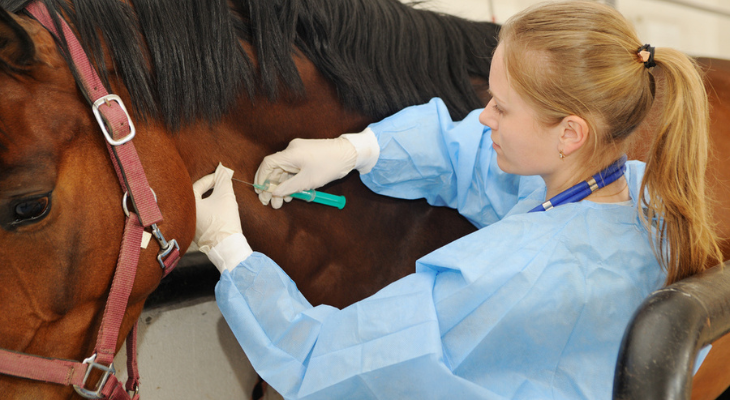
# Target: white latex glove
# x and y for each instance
(217, 215)
(311, 163)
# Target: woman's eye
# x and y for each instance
(31, 210)
(496, 107)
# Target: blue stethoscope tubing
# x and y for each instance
(585, 188)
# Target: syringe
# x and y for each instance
(311, 196)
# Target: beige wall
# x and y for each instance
(657, 22)
(695, 32)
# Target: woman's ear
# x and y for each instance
(574, 132)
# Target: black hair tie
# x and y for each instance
(646, 54)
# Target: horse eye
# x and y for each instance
(32, 210)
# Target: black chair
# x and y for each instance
(658, 351)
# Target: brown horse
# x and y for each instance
(306, 77)
(713, 376)
(61, 216)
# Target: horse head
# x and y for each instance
(61, 217)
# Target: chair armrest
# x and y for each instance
(659, 347)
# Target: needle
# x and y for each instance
(248, 183)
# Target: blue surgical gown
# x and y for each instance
(530, 306)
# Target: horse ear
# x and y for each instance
(17, 50)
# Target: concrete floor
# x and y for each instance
(187, 352)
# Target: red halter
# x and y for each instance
(118, 130)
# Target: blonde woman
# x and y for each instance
(572, 236)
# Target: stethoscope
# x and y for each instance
(585, 188)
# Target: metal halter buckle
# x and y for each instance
(102, 124)
(95, 394)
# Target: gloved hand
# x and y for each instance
(311, 163)
(217, 215)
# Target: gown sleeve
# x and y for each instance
(386, 345)
(424, 154)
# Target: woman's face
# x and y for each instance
(523, 145)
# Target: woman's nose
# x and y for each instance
(488, 116)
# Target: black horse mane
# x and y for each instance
(181, 60)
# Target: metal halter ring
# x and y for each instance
(124, 201)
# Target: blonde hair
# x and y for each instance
(581, 58)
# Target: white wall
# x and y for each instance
(658, 22)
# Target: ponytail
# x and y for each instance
(673, 187)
